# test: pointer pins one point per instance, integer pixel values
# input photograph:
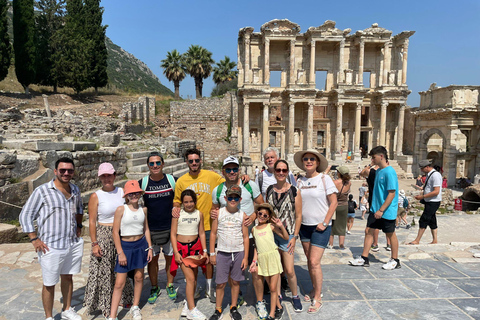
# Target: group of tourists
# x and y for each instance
(224, 224)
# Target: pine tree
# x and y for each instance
(5, 46)
(49, 22)
(96, 49)
(24, 41)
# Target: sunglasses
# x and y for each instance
(233, 198)
(156, 163)
(194, 160)
(229, 170)
(281, 170)
(63, 171)
(312, 159)
(134, 194)
(263, 215)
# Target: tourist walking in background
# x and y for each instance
(364, 204)
(352, 205)
(266, 259)
(319, 202)
(231, 257)
(101, 276)
(134, 247)
(383, 210)
(363, 188)
(57, 207)
(158, 199)
(339, 220)
(287, 205)
(188, 237)
(402, 209)
(431, 199)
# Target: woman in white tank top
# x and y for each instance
(134, 247)
(101, 209)
(188, 239)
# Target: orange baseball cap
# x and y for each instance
(194, 261)
(132, 186)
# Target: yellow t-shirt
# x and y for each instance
(203, 185)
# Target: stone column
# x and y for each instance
(265, 125)
(266, 58)
(338, 135)
(383, 123)
(404, 62)
(358, 117)
(312, 62)
(246, 129)
(247, 58)
(401, 120)
(380, 75)
(386, 63)
(292, 63)
(310, 125)
(341, 75)
(361, 56)
(291, 127)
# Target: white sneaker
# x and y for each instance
(359, 261)
(391, 264)
(135, 312)
(49, 318)
(70, 314)
(329, 247)
(185, 309)
(261, 310)
(195, 314)
(348, 232)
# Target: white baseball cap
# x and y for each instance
(230, 159)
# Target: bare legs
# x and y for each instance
(289, 270)
(314, 256)
(153, 270)
(118, 289)
(48, 294)
(421, 231)
(191, 277)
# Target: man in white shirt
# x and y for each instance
(432, 197)
(266, 178)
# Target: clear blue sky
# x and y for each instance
(445, 48)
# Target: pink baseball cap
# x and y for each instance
(106, 168)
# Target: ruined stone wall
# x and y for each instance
(209, 122)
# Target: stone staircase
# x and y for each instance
(137, 165)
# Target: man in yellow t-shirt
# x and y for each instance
(202, 182)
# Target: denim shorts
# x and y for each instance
(282, 243)
(315, 237)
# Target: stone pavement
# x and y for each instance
(439, 281)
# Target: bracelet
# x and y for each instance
(205, 250)
(149, 248)
(95, 243)
(36, 238)
(255, 261)
(212, 254)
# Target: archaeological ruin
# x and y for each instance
(326, 88)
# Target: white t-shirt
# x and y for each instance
(435, 180)
(314, 200)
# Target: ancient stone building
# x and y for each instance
(327, 89)
(447, 130)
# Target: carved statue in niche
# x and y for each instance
(253, 140)
(296, 138)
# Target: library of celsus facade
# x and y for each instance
(327, 89)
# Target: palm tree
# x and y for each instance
(223, 72)
(174, 69)
(198, 61)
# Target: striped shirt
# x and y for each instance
(55, 215)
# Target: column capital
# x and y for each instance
(384, 105)
(266, 103)
(362, 43)
(342, 43)
(266, 40)
(359, 106)
(405, 44)
(246, 104)
(292, 42)
(312, 43)
(311, 103)
(340, 104)
(291, 103)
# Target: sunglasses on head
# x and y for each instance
(281, 170)
(229, 170)
(134, 194)
(309, 159)
(194, 160)
(63, 171)
(233, 198)
(157, 163)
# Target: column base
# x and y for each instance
(337, 156)
(357, 157)
(247, 164)
(289, 157)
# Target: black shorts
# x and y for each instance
(429, 218)
(387, 226)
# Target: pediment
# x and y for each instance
(375, 31)
(281, 26)
(328, 29)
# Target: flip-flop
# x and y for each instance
(308, 299)
(313, 307)
(412, 244)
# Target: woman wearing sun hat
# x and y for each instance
(134, 247)
(101, 277)
(318, 205)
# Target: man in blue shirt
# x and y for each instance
(384, 207)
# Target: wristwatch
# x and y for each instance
(213, 254)
(296, 237)
(324, 224)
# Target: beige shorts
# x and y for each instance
(60, 261)
(401, 212)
